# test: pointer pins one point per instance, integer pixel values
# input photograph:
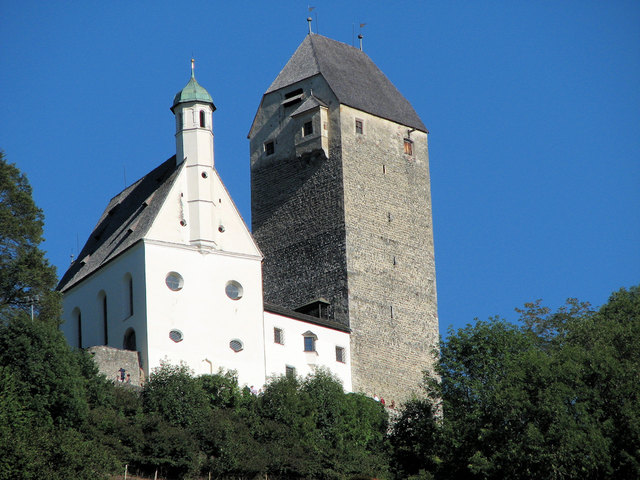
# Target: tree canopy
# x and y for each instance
(27, 279)
(555, 397)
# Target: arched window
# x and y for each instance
(102, 300)
(129, 342)
(202, 118)
(128, 295)
(77, 318)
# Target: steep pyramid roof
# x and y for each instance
(352, 76)
(126, 220)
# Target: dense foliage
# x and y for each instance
(26, 278)
(557, 397)
(59, 419)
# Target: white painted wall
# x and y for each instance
(110, 280)
(292, 353)
(203, 312)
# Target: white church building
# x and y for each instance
(171, 271)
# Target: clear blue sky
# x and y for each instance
(533, 110)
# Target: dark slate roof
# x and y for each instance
(309, 104)
(285, 312)
(125, 221)
(354, 78)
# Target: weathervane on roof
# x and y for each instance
(360, 35)
(309, 19)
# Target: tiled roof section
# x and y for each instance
(126, 220)
(323, 322)
(354, 78)
(309, 104)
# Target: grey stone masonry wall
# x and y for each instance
(390, 255)
(110, 360)
(354, 228)
(297, 209)
(298, 222)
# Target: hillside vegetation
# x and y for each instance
(555, 396)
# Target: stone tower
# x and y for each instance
(341, 209)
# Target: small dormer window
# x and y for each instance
(307, 128)
(202, 119)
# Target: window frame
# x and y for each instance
(307, 131)
(342, 358)
(269, 148)
(234, 290)
(278, 336)
(359, 126)
(408, 146)
(313, 339)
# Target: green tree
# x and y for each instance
(27, 279)
(175, 395)
(45, 402)
(556, 397)
(312, 429)
(48, 373)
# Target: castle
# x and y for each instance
(338, 272)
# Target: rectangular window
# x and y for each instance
(309, 344)
(408, 146)
(340, 355)
(307, 129)
(290, 371)
(359, 127)
(278, 336)
(269, 148)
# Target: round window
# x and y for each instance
(176, 335)
(236, 345)
(174, 281)
(233, 290)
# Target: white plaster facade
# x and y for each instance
(290, 350)
(197, 233)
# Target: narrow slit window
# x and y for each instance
(359, 129)
(202, 118)
(104, 320)
(79, 320)
(130, 282)
(340, 357)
